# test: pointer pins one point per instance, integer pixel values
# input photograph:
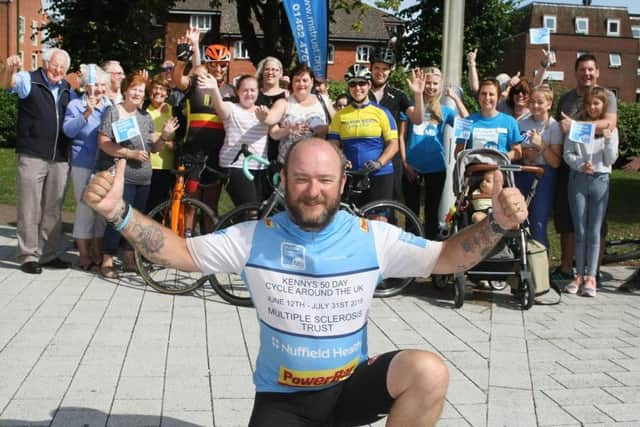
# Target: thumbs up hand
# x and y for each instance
(509, 205)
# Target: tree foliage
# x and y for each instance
(268, 18)
(487, 24)
(93, 31)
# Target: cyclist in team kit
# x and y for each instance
(205, 129)
(312, 271)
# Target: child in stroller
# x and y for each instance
(481, 198)
(508, 260)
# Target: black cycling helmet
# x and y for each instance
(385, 55)
(357, 72)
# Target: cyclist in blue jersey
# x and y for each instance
(312, 271)
(367, 133)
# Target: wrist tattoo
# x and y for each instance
(478, 243)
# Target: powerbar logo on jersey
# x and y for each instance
(292, 256)
(316, 378)
(364, 225)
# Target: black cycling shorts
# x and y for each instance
(363, 398)
(212, 152)
(381, 189)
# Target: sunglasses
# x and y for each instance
(222, 65)
(360, 83)
(166, 68)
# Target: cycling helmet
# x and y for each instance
(217, 52)
(383, 54)
(357, 72)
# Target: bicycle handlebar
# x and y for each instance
(247, 158)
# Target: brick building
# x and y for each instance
(346, 45)
(20, 30)
(609, 33)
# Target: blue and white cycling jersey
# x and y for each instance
(312, 290)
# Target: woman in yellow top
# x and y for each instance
(163, 161)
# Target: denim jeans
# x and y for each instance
(588, 198)
(136, 195)
(541, 205)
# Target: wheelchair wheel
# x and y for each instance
(230, 286)
(171, 280)
(401, 216)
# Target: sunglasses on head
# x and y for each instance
(360, 83)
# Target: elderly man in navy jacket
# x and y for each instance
(42, 167)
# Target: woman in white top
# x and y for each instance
(241, 127)
(542, 146)
(300, 116)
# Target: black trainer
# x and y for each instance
(56, 263)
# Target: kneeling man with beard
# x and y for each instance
(312, 271)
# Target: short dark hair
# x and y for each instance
(301, 69)
(584, 58)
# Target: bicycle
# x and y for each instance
(232, 288)
(621, 250)
(185, 216)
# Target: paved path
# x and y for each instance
(77, 350)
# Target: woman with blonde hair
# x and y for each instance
(423, 152)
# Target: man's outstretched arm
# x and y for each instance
(471, 245)
(156, 242)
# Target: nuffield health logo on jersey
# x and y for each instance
(292, 256)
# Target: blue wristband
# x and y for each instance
(125, 220)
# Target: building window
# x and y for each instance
(613, 27)
(582, 25)
(549, 21)
(34, 33)
(615, 60)
(552, 57)
(331, 54)
(21, 55)
(635, 31)
(392, 29)
(363, 53)
(201, 22)
(21, 24)
(580, 53)
(34, 61)
(637, 95)
(615, 91)
(240, 51)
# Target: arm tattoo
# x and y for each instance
(477, 243)
(147, 237)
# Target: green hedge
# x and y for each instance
(629, 129)
(8, 113)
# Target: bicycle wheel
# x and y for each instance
(171, 280)
(230, 286)
(401, 216)
(620, 251)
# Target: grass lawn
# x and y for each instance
(624, 203)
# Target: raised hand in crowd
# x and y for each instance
(474, 81)
(261, 112)
(11, 66)
(207, 81)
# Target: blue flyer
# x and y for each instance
(462, 128)
(582, 132)
(125, 129)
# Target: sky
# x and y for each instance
(632, 5)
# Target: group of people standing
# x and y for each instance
(190, 109)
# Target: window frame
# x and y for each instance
(613, 55)
(34, 33)
(636, 29)
(577, 26)
(331, 54)
(206, 17)
(613, 21)
(555, 22)
(239, 51)
(359, 57)
(34, 61)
